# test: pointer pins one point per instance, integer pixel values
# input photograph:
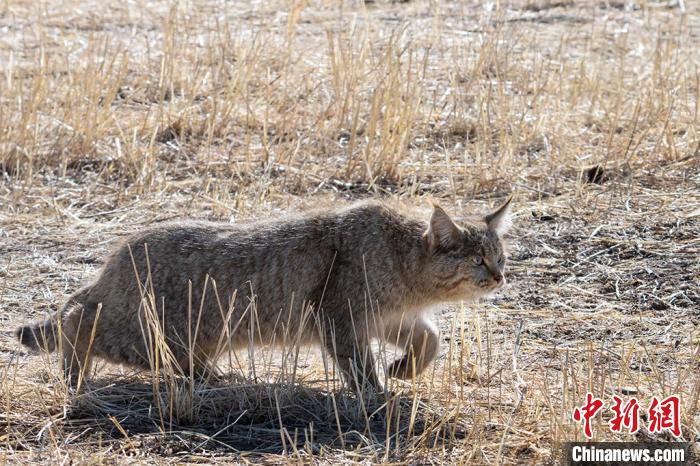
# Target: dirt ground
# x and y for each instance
(118, 115)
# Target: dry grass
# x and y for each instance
(114, 115)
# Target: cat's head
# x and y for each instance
(467, 261)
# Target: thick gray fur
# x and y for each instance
(338, 279)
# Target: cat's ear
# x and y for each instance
(442, 231)
(500, 220)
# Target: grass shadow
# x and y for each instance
(224, 417)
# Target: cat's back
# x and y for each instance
(203, 234)
(345, 227)
(374, 220)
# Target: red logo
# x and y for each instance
(587, 412)
(663, 415)
(626, 416)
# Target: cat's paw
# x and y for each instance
(401, 369)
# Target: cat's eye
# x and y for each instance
(501, 259)
(477, 260)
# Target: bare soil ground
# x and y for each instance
(116, 115)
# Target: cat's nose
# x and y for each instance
(499, 279)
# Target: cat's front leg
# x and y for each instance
(420, 340)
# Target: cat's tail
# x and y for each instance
(43, 335)
(39, 336)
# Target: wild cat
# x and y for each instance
(339, 279)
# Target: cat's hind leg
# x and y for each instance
(76, 338)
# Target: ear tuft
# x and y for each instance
(442, 231)
(500, 220)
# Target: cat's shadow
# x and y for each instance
(178, 417)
